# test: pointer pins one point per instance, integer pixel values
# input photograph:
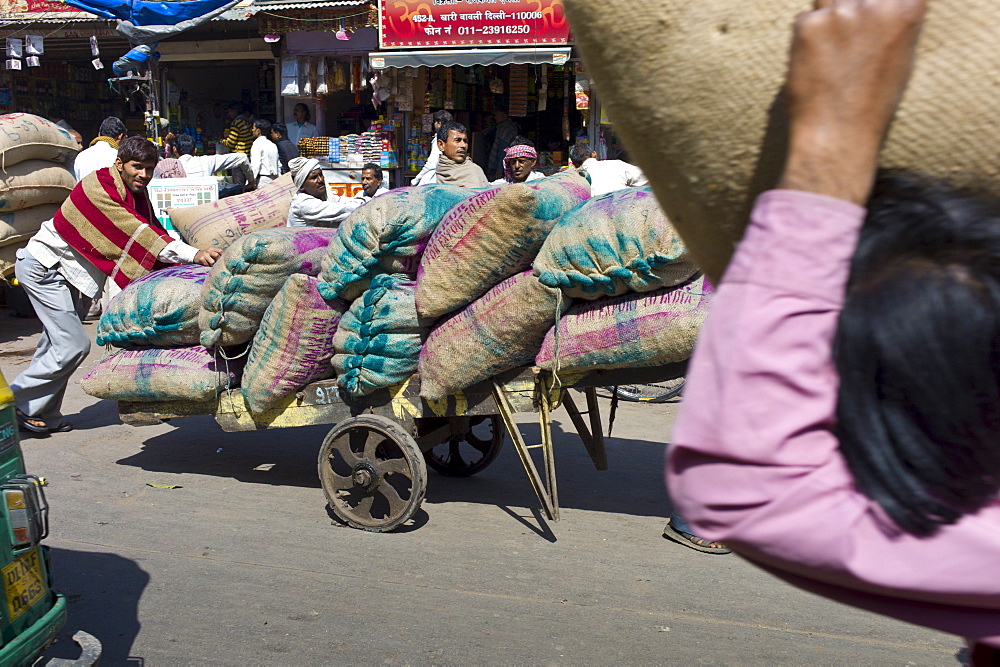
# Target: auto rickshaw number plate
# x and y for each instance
(23, 583)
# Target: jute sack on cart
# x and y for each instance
(378, 340)
(501, 330)
(294, 345)
(613, 244)
(710, 136)
(386, 235)
(249, 274)
(33, 183)
(220, 223)
(24, 136)
(172, 374)
(160, 309)
(22, 225)
(491, 237)
(649, 329)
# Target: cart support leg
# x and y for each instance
(592, 437)
(549, 502)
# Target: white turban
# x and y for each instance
(301, 167)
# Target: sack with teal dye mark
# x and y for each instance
(490, 237)
(378, 340)
(294, 345)
(173, 374)
(159, 309)
(386, 235)
(250, 272)
(633, 330)
(612, 244)
(499, 331)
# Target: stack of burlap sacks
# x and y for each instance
(457, 284)
(34, 179)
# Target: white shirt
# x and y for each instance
(196, 166)
(307, 210)
(303, 131)
(264, 158)
(98, 156)
(610, 175)
(50, 249)
(429, 173)
(365, 198)
(533, 176)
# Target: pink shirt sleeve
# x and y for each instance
(753, 460)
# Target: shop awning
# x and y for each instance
(468, 57)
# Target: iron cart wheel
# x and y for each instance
(651, 393)
(465, 455)
(372, 472)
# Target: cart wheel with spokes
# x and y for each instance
(372, 472)
(465, 455)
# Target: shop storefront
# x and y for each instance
(473, 58)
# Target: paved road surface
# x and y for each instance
(243, 565)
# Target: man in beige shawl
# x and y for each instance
(454, 165)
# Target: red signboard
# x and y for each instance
(433, 23)
(34, 6)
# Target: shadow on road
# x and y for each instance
(103, 592)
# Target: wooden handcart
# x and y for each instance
(373, 462)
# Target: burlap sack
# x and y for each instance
(632, 330)
(501, 330)
(159, 309)
(220, 223)
(24, 136)
(294, 345)
(175, 374)
(22, 225)
(491, 237)
(613, 244)
(7, 257)
(378, 340)
(386, 235)
(33, 183)
(710, 133)
(250, 272)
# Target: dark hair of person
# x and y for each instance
(263, 125)
(139, 149)
(112, 126)
(448, 127)
(917, 349)
(377, 170)
(185, 144)
(521, 141)
(281, 129)
(442, 117)
(579, 153)
(305, 109)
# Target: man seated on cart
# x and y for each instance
(312, 205)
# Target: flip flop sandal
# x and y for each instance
(26, 425)
(64, 427)
(688, 540)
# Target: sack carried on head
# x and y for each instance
(220, 223)
(386, 235)
(174, 374)
(294, 345)
(711, 136)
(501, 330)
(632, 330)
(378, 340)
(24, 136)
(250, 272)
(490, 237)
(22, 225)
(33, 183)
(158, 310)
(613, 244)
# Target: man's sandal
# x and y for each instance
(693, 541)
(24, 422)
